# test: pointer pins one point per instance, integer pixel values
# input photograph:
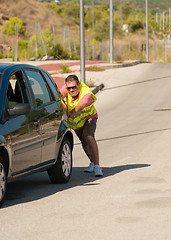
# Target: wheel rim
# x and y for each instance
(2, 181)
(66, 160)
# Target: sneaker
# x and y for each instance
(98, 171)
(90, 168)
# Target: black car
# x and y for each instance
(34, 135)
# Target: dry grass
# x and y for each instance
(95, 69)
(90, 83)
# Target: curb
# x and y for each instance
(120, 65)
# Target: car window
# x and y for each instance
(39, 87)
(52, 86)
(16, 92)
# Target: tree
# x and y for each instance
(103, 25)
(72, 11)
(22, 49)
(56, 51)
(48, 40)
(100, 12)
(9, 27)
(58, 9)
(126, 9)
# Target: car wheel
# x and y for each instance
(3, 180)
(61, 172)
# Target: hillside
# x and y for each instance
(33, 11)
(164, 4)
(30, 12)
(36, 11)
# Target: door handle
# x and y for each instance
(36, 123)
(57, 113)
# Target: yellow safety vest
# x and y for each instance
(79, 120)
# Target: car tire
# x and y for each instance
(3, 180)
(62, 170)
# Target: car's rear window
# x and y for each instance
(53, 88)
(38, 86)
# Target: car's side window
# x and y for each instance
(39, 87)
(53, 88)
(16, 92)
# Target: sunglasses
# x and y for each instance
(73, 87)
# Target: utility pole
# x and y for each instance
(160, 20)
(16, 42)
(93, 27)
(165, 45)
(88, 55)
(69, 42)
(147, 46)
(64, 38)
(111, 31)
(54, 38)
(36, 45)
(121, 19)
(157, 17)
(82, 42)
(166, 19)
(43, 43)
(75, 49)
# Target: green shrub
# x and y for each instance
(22, 44)
(60, 53)
(100, 13)
(58, 9)
(65, 68)
(9, 27)
(23, 50)
(136, 26)
(48, 41)
(127, 9)
(72, 11)
(103, 25)
(1, 55)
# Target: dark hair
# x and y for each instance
(71, 78)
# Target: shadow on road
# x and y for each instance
(135, 83)
(38, 186)
(129, 135)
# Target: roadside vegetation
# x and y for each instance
(129, 32)
(64, 68)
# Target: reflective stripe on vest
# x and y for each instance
(79, 120)
(75, 123)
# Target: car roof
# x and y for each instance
(4, 66)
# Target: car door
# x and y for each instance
(50, 109)
(25, 137)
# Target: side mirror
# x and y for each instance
(19, 109)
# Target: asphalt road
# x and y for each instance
(133, 199)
